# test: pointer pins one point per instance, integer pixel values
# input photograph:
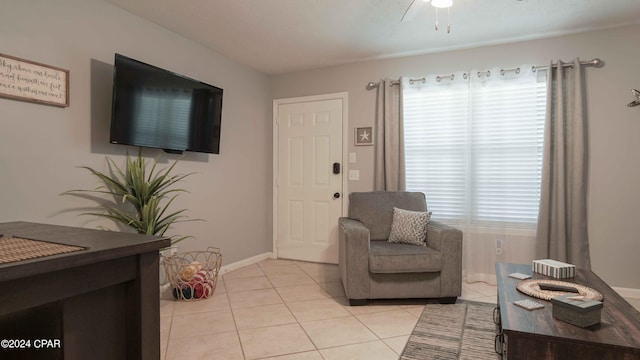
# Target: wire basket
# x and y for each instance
(193, 275)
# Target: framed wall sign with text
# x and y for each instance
(31, 81)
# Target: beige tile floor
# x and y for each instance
(289, 310)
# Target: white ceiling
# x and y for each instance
(281, 36)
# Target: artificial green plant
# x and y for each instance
(146, 196)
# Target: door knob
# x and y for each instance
(336, 195)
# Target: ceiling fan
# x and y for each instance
(417, 6)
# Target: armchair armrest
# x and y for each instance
(353, 258)
(447, 240)
(438, 234)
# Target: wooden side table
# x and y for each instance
(535, 334)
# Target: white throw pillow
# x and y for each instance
(409, 227)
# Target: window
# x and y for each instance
(473, 145)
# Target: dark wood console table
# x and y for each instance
(537, 335)
(99, 303)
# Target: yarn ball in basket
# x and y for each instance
(202, 291)
(202, 286)
(189, 271)
(184, 291)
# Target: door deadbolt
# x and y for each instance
(336, 195)
(336, 168)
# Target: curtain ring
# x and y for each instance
(516, 70)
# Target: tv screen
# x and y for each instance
(157, 108)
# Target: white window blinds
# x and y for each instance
(473, 145)
(436, 134)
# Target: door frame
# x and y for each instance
(344, 96)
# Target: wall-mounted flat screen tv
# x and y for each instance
(156, 108)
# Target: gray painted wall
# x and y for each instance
(42, 146)
(614, 173)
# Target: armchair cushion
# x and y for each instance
(375, 209)
(409, 227)
(385, 257)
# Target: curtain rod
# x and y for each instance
(593, 62)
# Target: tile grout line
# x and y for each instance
(318, 349)
(233, 316)
(305, 331)
(350, 315)
(166, 345)
(291, 312)
(381, 338)
(298, 320)
(315, 275)
(354, 316)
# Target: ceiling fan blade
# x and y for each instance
(413, 9)
(635, 93)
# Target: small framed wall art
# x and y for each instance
(31, 81)
(364, 136)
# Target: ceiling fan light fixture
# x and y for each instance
(442, 3)
(438, 4)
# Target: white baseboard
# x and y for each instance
(627, 292)
(246, 262)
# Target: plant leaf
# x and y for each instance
(141, 198)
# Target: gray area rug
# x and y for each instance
(464, 330)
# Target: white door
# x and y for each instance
(308, 170)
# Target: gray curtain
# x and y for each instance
(389, 143)
(562, 224)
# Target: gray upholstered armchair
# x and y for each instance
(373, 268)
